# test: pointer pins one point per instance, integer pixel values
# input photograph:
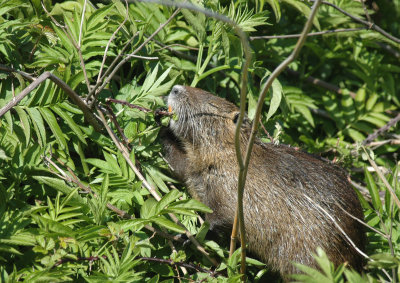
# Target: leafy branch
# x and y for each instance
(92, 120)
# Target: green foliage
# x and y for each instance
(59, 177)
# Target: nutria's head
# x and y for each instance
(202, 116)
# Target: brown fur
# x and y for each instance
(284, 192)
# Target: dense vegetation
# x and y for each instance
(75, 203)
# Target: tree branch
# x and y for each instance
(90, 117)
(310, 34)
(368, 24)
(381, 130)
(321, 83)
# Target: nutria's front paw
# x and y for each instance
(159, 113)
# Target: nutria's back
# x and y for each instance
(293, 202)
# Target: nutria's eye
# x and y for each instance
(236, 117)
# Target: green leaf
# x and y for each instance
(163, 222)
(304, 9)
(276, 8)
(98, 16)
(54, 226)
(170, 197)
(70, 122)
(191, 204)
(54, 127)
(373, 191)
(384, 260)
(38, 125)
(24, 123)
(276, 99)
(101, 164)
(148, 209)
(60, 186)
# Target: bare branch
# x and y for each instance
(109, 69)
(123, 102)
(381, 130)
(368, 24)
(322, 83)
(366, 11)
(310, 34)
(338, 227)
(12, 70)
(123, 61)
(110, 40)
(69, 91)
(142, 57)
(72, 40)
(389, 49)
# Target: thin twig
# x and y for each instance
(12, 70)
(109, 69)
(123, 102)
(382, 177)
(266, 132)
(285, 36)
(113, 118)
(338, 227)
(110, 40)
(141, 57)
(169, 47)
(381, 130)
(370, 25)
(321, 83)
(126, 59)
(389, 49)
(77, 46)
(187, 265)
(366, 11)
(361, 222)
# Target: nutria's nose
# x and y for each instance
(177, 89)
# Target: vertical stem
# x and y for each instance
(198, 65)
(235, 225)
(243, 166)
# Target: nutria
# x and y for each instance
(293, 202)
